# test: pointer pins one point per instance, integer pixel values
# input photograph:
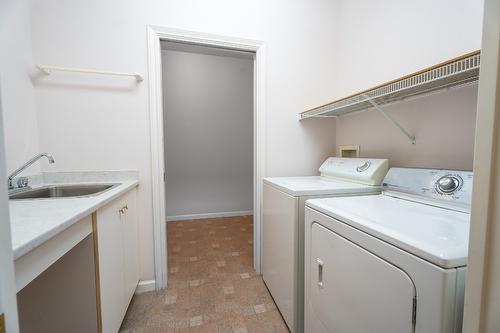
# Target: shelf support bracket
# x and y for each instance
(394, 122)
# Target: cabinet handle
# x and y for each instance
(320, 272)
(123, 209)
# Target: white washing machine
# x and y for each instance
(393, 262)
(283, 224)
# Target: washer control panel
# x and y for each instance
(368, 171)
(450, 186)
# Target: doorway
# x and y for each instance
(208, 158)
(207, 131)
(182, 41)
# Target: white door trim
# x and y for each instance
(155, 35)
(8, 301)
(482, 292)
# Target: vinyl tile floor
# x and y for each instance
(212, 287)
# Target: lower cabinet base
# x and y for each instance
(63, 297)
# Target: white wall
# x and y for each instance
(384, 39)
(95, 123)
(443, 124)
(208, 130)
(18, 95)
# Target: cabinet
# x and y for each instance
(130, 248)
(118, 268)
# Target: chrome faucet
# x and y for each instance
(23, 182)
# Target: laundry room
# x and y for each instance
(249, 166)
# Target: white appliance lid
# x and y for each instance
(438, 235)
(317, 185)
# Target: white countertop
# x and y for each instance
(35, 221)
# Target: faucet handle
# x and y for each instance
(22, 182)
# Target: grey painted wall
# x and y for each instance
(208, 124)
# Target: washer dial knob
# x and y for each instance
(363, 166)
(448, 184)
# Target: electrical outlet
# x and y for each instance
(348, 151)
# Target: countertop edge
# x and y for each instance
(125, 187)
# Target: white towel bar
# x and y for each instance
(48, 69)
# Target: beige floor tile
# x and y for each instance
(195, 321)
(212, 285)
(170, 299)
(240, 330)
(194, 283)
(228, 290)
(259, 308)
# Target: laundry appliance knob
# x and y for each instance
(448, 184)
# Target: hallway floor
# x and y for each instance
(212, 284)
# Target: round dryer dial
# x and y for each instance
(364, 166)
(449, 184)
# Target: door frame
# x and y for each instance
(482, 291)
(155, 35)
(8, 301)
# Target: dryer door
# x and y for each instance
(354, 291)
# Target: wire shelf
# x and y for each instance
(455, 72)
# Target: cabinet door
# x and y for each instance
(130, 246)
(354, 291)
(111, 262)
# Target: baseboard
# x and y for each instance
(145, 286)
(208, 215)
